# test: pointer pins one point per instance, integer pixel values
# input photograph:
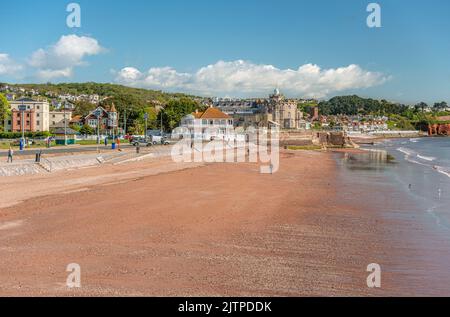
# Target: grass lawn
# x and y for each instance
(305, 148)
(40, 144)
(94, 142)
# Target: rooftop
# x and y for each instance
(211, 113)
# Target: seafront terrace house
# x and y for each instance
(367, 125)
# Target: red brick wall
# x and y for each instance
(29, 118)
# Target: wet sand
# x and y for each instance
(160, 229)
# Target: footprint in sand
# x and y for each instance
(10, 225)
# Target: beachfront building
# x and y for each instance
(34, 113)
(209, 124)
(65, 136)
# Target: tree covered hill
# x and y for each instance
(354, 105)
(104, 90)
(400, 116)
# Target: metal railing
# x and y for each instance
(46, 164)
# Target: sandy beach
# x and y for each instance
(158, 228)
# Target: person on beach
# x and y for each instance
(10, 155)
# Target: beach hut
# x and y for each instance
(67, 133)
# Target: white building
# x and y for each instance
(207, 125)
(35, 115)
(56, 118)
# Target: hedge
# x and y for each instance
(18, 135)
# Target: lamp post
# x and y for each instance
(162, 122)
(97, 113)
(98, 129)
(146, 120)
(124, 121)
(22, 109)
(65, 126)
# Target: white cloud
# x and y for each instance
(59, 60)
(243, 78)
(8, 66)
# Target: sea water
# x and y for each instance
(424, 170)
(407, 183)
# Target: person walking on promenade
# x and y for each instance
(118, 143)
(10, 155)
(106, 141)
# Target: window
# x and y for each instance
(53, 122)
(18, 122)
(9, 122)
(204, 121)
(211, 122)
(38, 115)
(38, 123)
(38, 107)
(54, 116)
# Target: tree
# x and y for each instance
(4, 110)
(83, 108)
(439, 106)
(355, 105)
(87, 130)
(421, 106)
(307, 107)
(175, 110)
(75, 127)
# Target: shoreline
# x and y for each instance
(210, 230)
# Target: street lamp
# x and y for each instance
(97, 113)
(65, 125)
(22, 109)
(146, 120)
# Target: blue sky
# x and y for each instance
(311, 48)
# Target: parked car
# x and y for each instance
(156, 139)
(141, 142)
